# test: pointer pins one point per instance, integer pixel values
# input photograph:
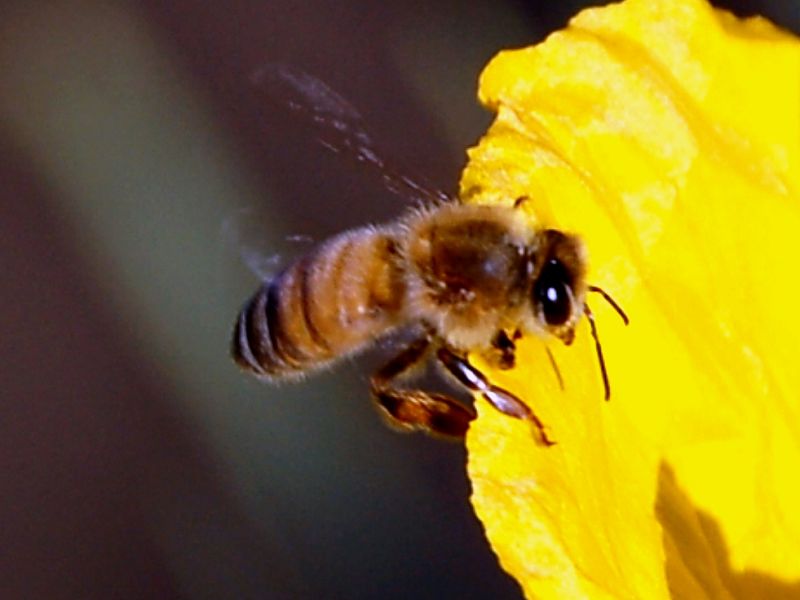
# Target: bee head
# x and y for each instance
(558, 288)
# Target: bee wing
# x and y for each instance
(339, 125)
(242, 233)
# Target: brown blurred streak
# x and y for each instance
(91, 451)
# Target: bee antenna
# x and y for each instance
(589, 315)
(610, 300)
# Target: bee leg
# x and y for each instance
(417, 410)
(502, 354)
(520, 201)
(504, 401)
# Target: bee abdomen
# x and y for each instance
(324, 306)
(274, 334)
(252, 348)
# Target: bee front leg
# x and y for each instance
(504, 401)
(502, 354)
(417, 410)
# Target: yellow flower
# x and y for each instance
(667, 135)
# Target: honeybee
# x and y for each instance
(466, 278)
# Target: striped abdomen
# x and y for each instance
(326, 305)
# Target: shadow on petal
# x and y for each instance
(697, 558)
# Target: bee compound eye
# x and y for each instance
(551, 293)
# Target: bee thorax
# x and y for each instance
(466, 271)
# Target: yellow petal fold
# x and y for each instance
(667, 135)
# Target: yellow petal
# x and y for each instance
(667, 135)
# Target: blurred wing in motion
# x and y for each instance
(339, 125)
(242, 233)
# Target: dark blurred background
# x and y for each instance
(142, 178)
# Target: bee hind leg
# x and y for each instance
(504, 401)
(417, 410)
